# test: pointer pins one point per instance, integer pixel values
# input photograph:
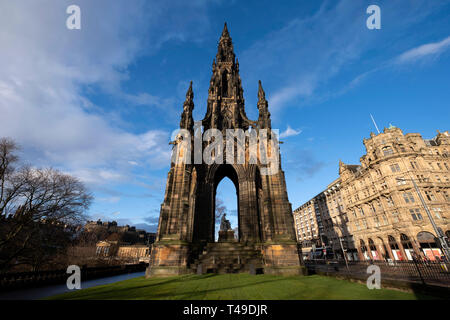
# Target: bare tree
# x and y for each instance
(31, 197)
(7, 161)
(220, 208)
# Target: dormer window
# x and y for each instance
(387, 151)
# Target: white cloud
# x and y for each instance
(298, 61)
(98, 176)
(110, 200)
(307, 51)
(289, 132)
(425, 50)
(45, 70)
(284, 95)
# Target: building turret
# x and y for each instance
(187, 121)
(263, 107)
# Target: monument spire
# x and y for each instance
(187, 121)
(225, 51)
(190, 93)
(225, 33)
(264, 121)
(225, 108)
(261, 93)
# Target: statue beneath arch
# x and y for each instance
(225, 231)
(225, 224)
(186, 231)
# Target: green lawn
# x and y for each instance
(235, 286)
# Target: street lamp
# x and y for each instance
(440, 234)
(344, 253)
(324, 247)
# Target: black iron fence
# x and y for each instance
(423, 272)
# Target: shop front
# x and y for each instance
(429, 246)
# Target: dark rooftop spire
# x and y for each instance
(263, 107)
(225, 33)
(187, 121)
(190, 93)
(261, 93)
(225, 52)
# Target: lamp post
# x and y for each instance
(313, 250)
(323, 246)
(343, 252)
(441, 236)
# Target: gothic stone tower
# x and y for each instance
(185, 237)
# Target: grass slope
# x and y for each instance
(235, 286)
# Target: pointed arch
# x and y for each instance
(225, 83)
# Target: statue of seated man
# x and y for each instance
(225, 224)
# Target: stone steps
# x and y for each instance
(228, 257)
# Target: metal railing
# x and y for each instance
(425, 272)
(16, 280)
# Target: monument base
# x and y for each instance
(168, 259)
(227, 236)
(166, 271)
(172, 258)
(282, 258)
(286, 271)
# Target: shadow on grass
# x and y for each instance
(189, 287)
(85, 293)
(189, 294)
(133, 293)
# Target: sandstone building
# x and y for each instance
(124, 234)
(108, 241)
(373, 208)
(322, 223)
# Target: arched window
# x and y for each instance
(406, 243)
(373, 250)
(364, 250)
(225, 83)
(407, 246)
(425, 237)
(428, 245)
(395, 249)
(392, 243)
(363, 245)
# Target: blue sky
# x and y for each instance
(101, 102)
